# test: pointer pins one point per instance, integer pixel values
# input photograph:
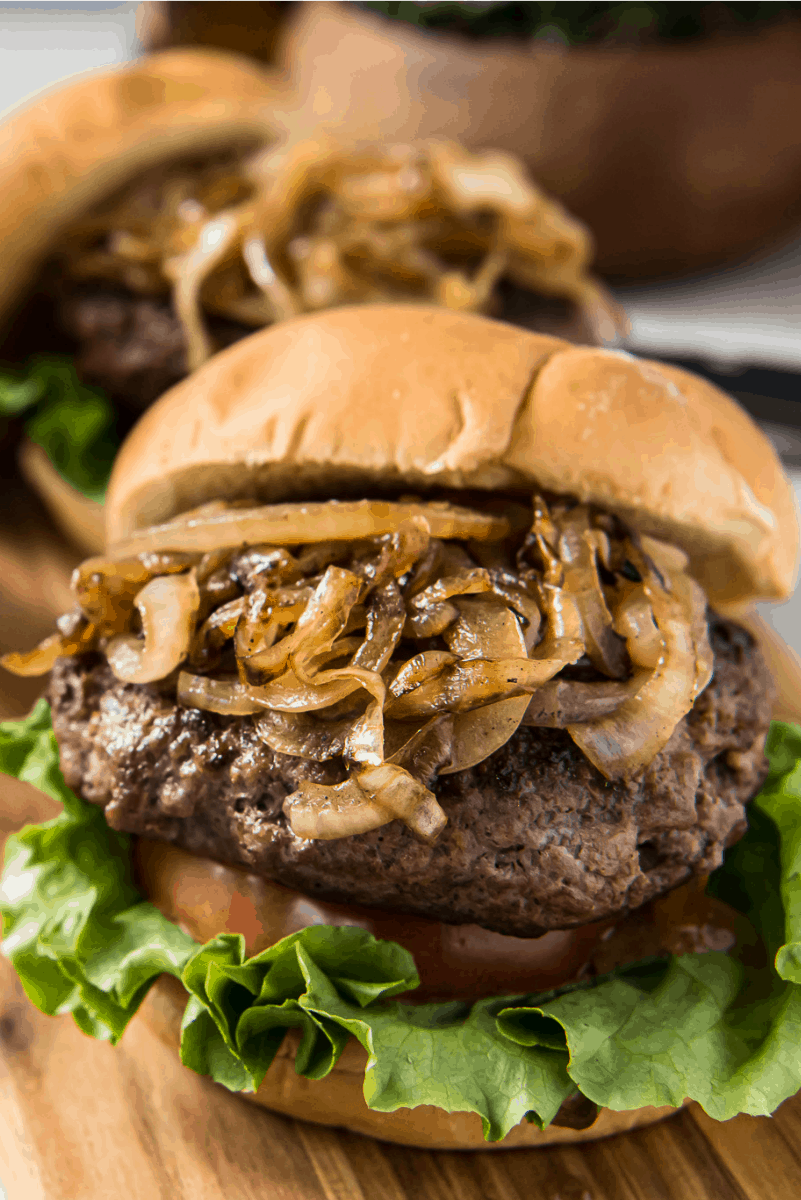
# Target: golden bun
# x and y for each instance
(71, 147)
(397, 398)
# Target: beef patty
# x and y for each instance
(132, 346)
(536, 838)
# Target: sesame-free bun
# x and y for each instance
(397, 398)
(70, 148)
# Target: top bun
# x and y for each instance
(69, 149)
(393, 398)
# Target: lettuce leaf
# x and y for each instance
(74, 424)
(724, 1030)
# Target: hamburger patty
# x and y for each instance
(536, 838)
(132, 346)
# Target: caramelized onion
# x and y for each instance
(302, 735)
(427, 751)
(264, 615)
(634, 621)
(294, 691)
(396, 791)
(463, 686)
(363, 803)
(671, 563)
(105, 590)
(397, 553)
(487, 631)
(385, 621)
(320, 638)
(319, 623)
(427, 665)
(216, 630)
(623, 743)
(168, 607)
(229, 698)
(188, 272)
(297, 524)
(328, 811)
(43, 657)
(564, 702)
(576, 548)
(432, 622)
(267, 236)
(365, 741)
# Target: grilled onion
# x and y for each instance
(487, 631)
(605, 649)
(227, 697)
(43, 657)
(625, 742)
(564, 702)
(363, 803)
(297, 524)
(168, 607)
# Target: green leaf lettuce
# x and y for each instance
(74, 424)
(721, 1029)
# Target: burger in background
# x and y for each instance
(407, 631)
(153, 218)
(668, 128)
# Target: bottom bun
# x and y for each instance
(339, 1100)
(80, 518)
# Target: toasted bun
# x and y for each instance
(76, 515)
(78, 143)
(410, 397)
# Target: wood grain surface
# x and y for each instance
(80, 1120)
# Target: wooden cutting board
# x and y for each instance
(82, 1121)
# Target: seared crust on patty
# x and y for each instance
(536, 838)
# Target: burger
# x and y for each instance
(413, 779)
(152, 218)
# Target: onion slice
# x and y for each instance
(229, 698)
(320, 621)
(426, 751)
(362, 803)
(105, 590)
(485, 630)
(325, 812)
(40, 660)
(385, 621)
(302, 735)
(625, 742)
(564, 702)
(469, 684)
(188, 272)
(299, 524)
(577, 547)
(634, 621)
(168, 606)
